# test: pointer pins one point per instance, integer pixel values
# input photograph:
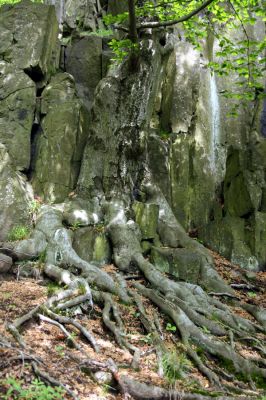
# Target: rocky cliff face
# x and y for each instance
(114, 166)
(210, 166)
(69, 126)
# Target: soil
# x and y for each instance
(18, 296)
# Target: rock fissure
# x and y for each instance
(120, 168)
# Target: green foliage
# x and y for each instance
(175, 366)
(60, 350)
(42, 257)
(99, 228)
(147, 339)
(122, 48)
(52, 288)
(34, 206)
(76, 225)
(205, 330)
(82, 288)
(19, 232)
(252, 294)
(170, 327)
(164, 135)
(110, 19)
(98, 32)
(2, 2)
(241, 53)
(36, 391)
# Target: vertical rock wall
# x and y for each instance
(211, 167)
(60, 114)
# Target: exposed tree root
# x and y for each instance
(23, 357)
(50, 380)
(204, 324)
(141, 391)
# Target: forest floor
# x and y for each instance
(19, 295)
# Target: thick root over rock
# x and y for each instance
(206, 327)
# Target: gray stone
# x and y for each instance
(79, 212)
(117, 6)
(81, 14)
(181, 263)
(158, 151)
(258, 242)
(5, 263)
(32, 247)
(103, 378)
(29, 46)
(116, 139)
(34, 47)
(92, 244)
(147, 218)
(211, 168)
(60, 144)
(84, 62)
(15, 196)
(229, 237)
(17, 106)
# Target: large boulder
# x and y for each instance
(29, 40)
(146, 216)
(181, 263)
(210, 167)
(228, 236)
(5, 263)
(29, 54)
(117, 6)
(92, 244)
(81, 14)
(61, 140)
(15, 196)
(17, 106)
(83, 60)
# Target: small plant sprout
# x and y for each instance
(52, 288)
(36, 391)
(147, 339)
(175, 366)
(98, 32)
(76, 225)
(170, 327)
(252, 294)
(34, 208)
(60, 350)
(19, 232)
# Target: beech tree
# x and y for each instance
(116, 194)
(244, 56)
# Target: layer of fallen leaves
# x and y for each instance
(47, 342)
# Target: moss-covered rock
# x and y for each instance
(181, 263)
(92, 244)
(228, 236)
(60, 144)
(29, 54)
(29, 40)
(83, 60)
(81, 14)
(15, 196)
(17, 105)
(147, 218)
(257, 235)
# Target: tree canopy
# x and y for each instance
(242, 53)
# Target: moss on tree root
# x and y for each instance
(187, 305)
